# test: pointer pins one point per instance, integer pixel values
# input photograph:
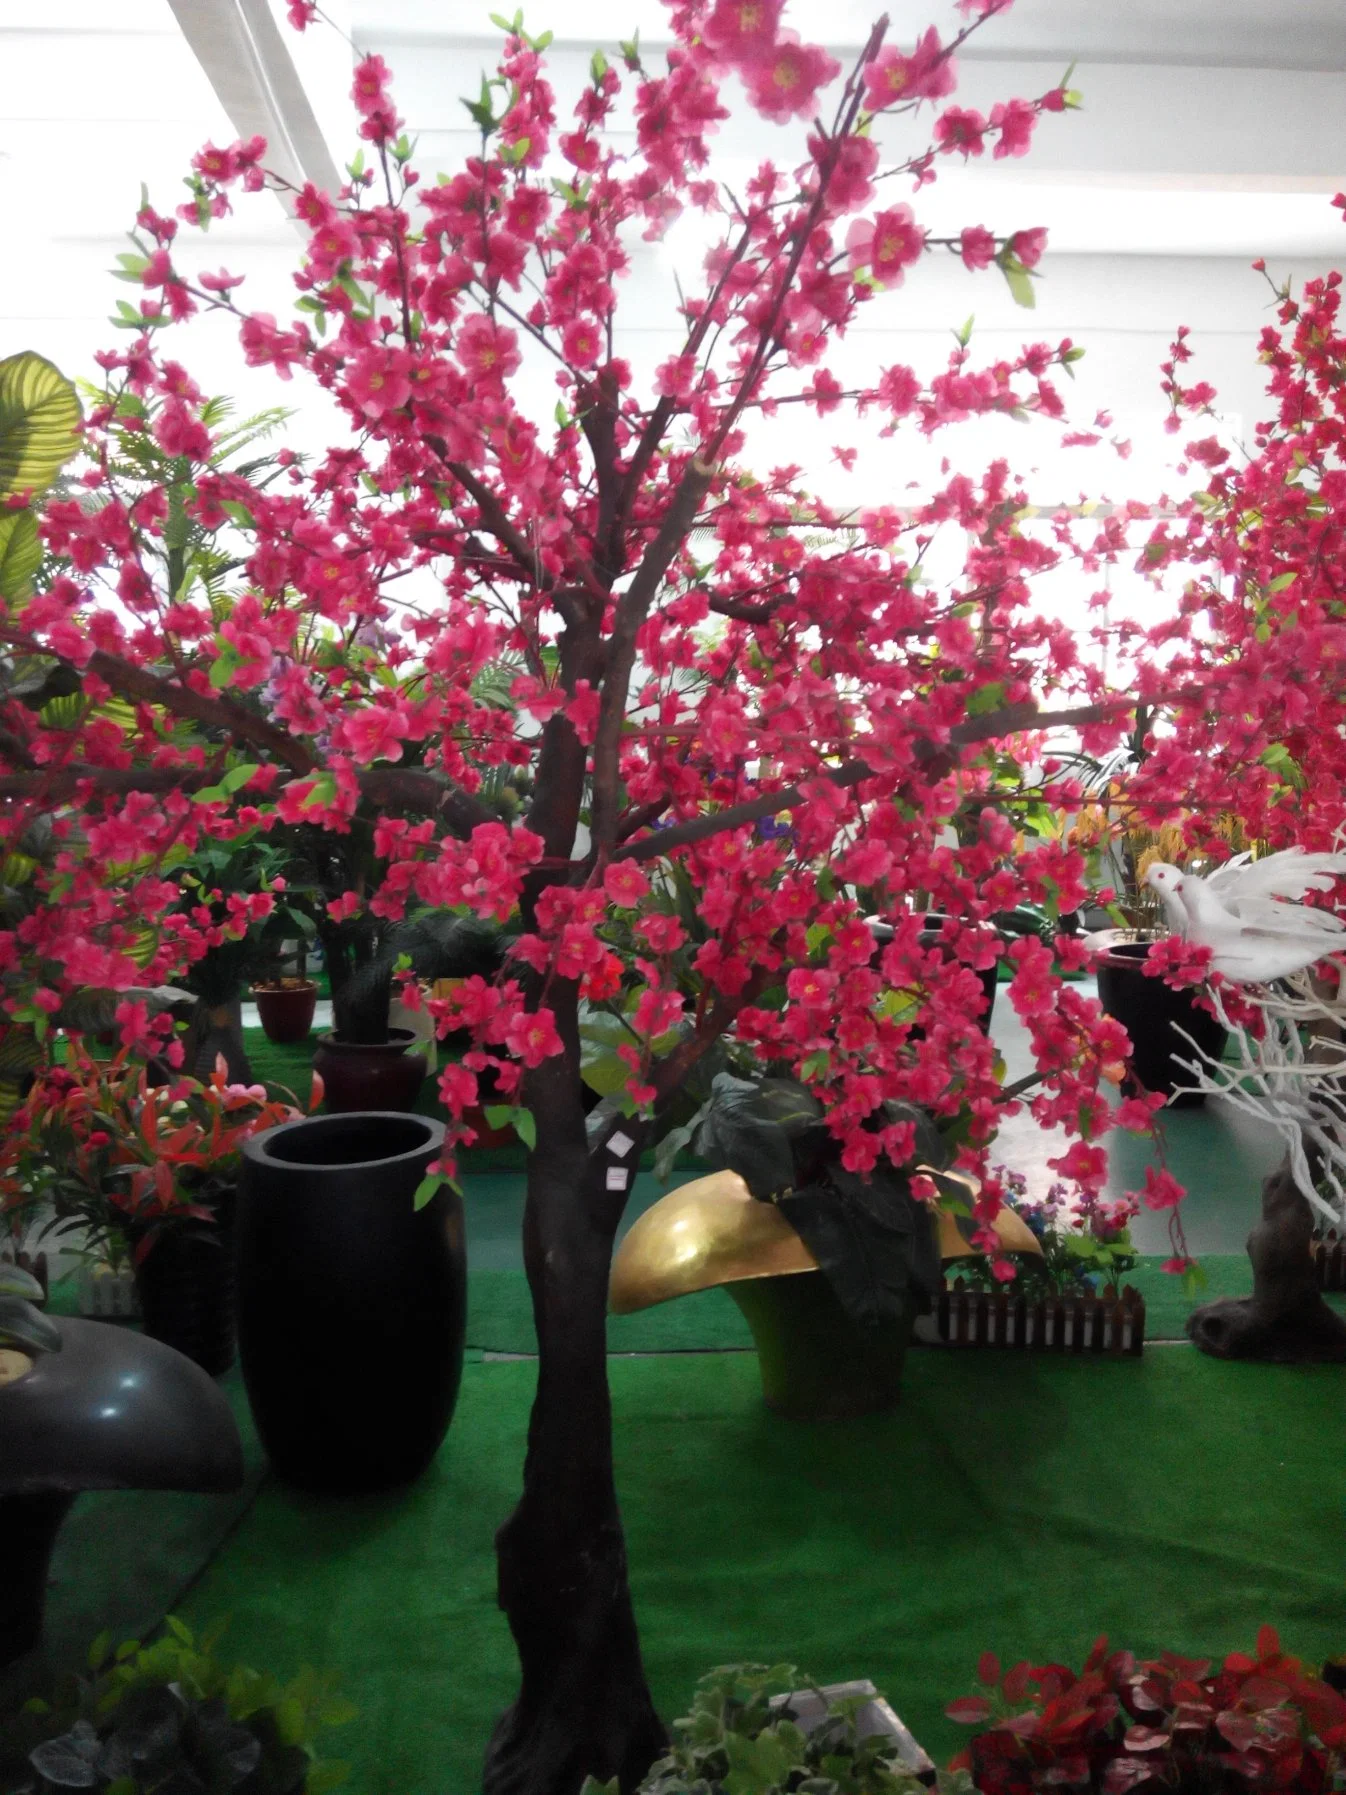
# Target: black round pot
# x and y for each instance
(286, 1011)
(370, 1075)
(352, 1303)
(1152, 1012)
(185, 1285)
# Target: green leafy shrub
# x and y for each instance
(737, 1740)
(170, 1719)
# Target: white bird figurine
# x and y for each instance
(1245, 913)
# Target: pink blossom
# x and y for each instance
(533, 1037)
(378, 381)
(582, 344)
(487, 351)
(977, 247)
(888, 246)
(1029, 245)
(1015, 121)
(742, 30)
(784, 79)
(958, 129)
(625, 883)
(1162, 1190)
(927, 74)
(373, 732)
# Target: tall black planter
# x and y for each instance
(1152, 1012)
(352, 1304)
(185, 1283)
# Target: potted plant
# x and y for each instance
(758, 1729)
(116, 1156)
(367, 1062)
(244, 894)
(832, 1318)
(171, 1715)
(1254, 1722)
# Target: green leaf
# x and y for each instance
(989, 698)
(99, 1651)
(224, 667)
(964, 333)
(180, 1632)
(290, 1722)
(598, 67)
(237, 777)
(20, 555)
(39, 423)
(426, 1189)
(1018, 280)
(1281, 581)
(322, 791)
(525, 1126)
(330, 1774)
(498, 1115)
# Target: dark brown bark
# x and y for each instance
(583, 1706)
(1285, 1320)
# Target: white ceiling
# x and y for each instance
(1289, 34)
(1213, 131)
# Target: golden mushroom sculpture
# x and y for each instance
(816, 1363)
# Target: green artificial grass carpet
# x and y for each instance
(500, 1316)
(1015, 1502)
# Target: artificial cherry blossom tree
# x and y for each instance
(708, 673)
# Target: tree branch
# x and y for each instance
(493, 513)
(1011, 720)
(632, 610)
(388, 788)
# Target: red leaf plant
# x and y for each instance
(111, 1151)
(1258, 1722)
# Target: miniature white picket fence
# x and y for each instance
(1111, 1323)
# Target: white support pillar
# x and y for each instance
(248, 62)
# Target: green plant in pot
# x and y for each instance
(756, 1729)
(226, 879)
(829, 1266)
(171, 1716)
(366, 1062)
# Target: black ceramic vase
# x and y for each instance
(352, 1303)
(185, 1284)
(1152, 1013)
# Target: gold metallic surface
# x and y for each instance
(713, 1231)
(1011, 1230)
(709, 1232)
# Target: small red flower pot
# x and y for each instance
(286, 1009)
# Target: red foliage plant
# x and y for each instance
(1258, 1722)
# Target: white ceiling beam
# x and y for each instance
(248, 63)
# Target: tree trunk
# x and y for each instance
(1285, 1320)
(583, 1706)
(215, 1031)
